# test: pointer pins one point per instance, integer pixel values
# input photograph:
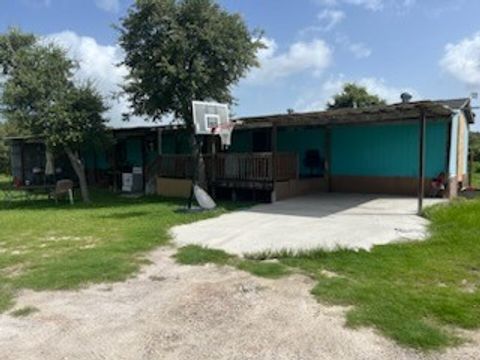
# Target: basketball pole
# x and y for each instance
(197, 142)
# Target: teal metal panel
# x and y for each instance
(134, 152)
(96, 159)
(388, 150)
(175, 142)
(242, 141)
(300, 140)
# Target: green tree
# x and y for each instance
(178, 51)
(475, 145)
(6, 129)
(3, 150)
(354, 96)
(40, 97)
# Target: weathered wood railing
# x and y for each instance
(256, 167)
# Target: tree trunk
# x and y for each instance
(79, 169)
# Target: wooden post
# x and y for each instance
(421, 162)
(212, 165)
(22, 157)
(274, 161)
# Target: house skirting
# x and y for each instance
(176, 188)
(378, 185)
(299, 187)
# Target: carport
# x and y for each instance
(395, 149)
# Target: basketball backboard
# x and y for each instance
(208, 116)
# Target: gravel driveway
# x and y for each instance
(180, 312)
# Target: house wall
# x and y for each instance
(242, 141)
(384, 158)
(175, 142)
(289, 139)
(96, 159)
(301, 140)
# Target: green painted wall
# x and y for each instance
(175, 142)
(242, 141)
(388, 150)
(300, 140)
(96, 159)
(134, 151)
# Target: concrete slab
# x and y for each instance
(326, 221)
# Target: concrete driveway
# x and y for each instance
(326, 221)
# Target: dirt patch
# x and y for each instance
(194, 313)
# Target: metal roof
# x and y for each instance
(455, 104)
(373, 114)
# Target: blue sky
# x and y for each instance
(430, 48)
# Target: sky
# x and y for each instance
(429, 48)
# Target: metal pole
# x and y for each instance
(421, 170)
(274, 161)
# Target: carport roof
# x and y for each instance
(373, 114)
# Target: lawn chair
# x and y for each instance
(63, 187)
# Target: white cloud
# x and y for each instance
(462, 60)
(330, 18)
(108, 5)
(99, 64)
(318, 98)
(373, 5)
(360, 50)
(314, 56)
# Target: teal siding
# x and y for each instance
(96, 159)
(134, 152)
(387, 150)
(242, 141)
(176, 142)
(300, 140)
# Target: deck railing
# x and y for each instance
(256, 167)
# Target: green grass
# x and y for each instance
(197, 255)
(48, 246)
(416, 293)
(270, 270)
(25, 311)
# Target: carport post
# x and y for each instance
(421, 170)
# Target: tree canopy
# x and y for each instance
(40, 97)
(475, 145)
(354, 96)
(178, 51)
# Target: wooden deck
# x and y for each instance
(235, 170)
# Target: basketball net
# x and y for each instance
(225, 133)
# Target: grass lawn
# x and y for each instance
(197, 255)
(48, 246)
(416, 293)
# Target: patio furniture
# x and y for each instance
(62, 188)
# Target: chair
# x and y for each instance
(63, 187)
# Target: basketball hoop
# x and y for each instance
(213, 119)
(225, 132)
